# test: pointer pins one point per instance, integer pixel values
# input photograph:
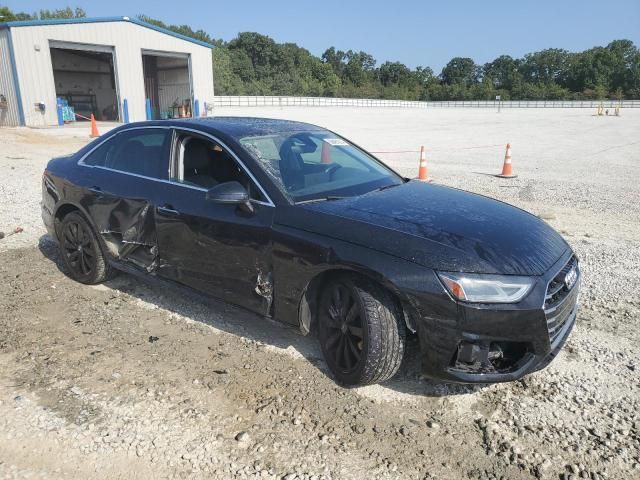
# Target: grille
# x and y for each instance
(560, 301)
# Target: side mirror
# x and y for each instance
(230, 193)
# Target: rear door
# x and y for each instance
(123, 180)
(221, 250)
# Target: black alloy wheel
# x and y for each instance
(361, 331)
(345, 336)
(81, 252)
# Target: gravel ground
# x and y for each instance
(131, 380)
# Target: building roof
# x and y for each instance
(65, 21)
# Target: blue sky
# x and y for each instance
(413, 32)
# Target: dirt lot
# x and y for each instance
(131, 380)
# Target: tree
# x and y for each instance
(394, 73)
(62, 13)
(590, 70)
(336, 59)
(6, 15)
(358, 67)
(625, 71)
(547, 66)
(242, 65)
(260, 49)
(226, 81)
(423, 75)
(503, 72)
(460, 71)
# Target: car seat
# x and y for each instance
(196, 163)
(291, 167)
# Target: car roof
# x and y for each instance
(238, 127)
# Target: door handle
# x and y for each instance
(96, 190)
(168, 210)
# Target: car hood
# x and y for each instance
(437, 227)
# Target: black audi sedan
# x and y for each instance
(296, 223)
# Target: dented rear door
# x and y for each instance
(122, 183)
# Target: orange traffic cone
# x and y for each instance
(94, 127)
(507, 171)
(325, 156)
(423, 175)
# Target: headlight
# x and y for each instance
(480, 288)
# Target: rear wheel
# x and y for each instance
(81, 251)
(361, 331)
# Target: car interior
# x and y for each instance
(305, 165)
(302, 162)
(205, 164)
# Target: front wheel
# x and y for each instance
(361, 331)
(81, 251)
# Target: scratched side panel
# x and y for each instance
(122, 213)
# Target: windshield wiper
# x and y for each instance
(387, 186)
(321, 199)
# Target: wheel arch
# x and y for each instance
(62, 210)
(65, 208)
(307, 306)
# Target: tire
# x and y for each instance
(81, 251)
(364, 346)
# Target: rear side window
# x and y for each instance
(141, 152)
(97, 158)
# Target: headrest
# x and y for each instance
(196, 155)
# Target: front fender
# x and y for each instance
(303, 260)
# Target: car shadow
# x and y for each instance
(284, 339)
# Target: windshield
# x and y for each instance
(318, 165)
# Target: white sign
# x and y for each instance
(335, 141)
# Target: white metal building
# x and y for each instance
(116, 68)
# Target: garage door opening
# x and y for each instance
(167, 85)
(86, 81)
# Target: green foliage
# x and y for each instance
(254, 64)
(6, 15)
(504, 72)
(461, 71)
(62, 13)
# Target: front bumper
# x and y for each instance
(495, 343)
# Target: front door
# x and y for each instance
(222, 250)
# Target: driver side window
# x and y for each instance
(204, 163)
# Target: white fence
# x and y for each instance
(274, 101)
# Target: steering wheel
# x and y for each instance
(331, 169)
